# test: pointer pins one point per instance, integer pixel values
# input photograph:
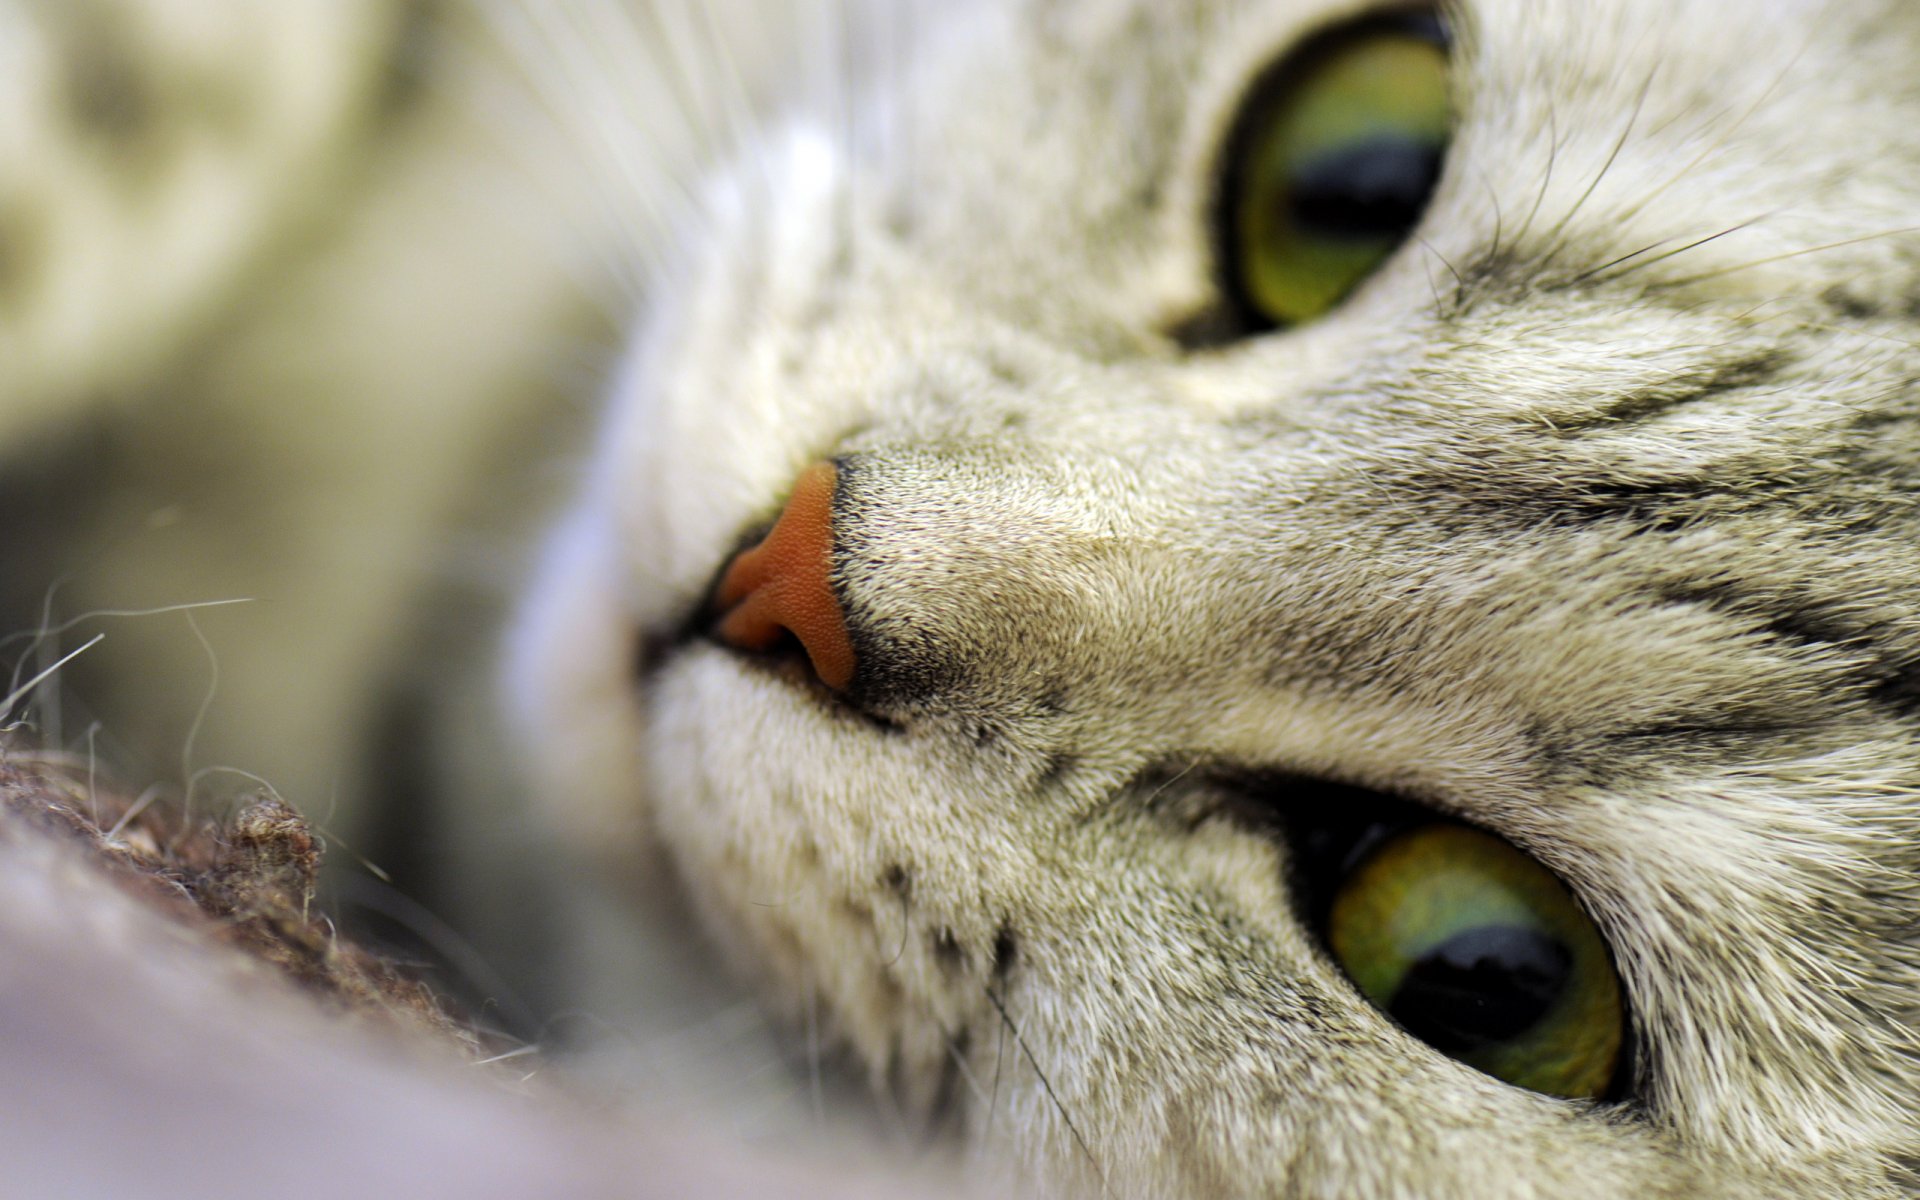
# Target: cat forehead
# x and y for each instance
(1054, 168)
(1141, 75)
(1092, 131)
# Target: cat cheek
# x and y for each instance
(568, 681)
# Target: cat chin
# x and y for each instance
(786, 818)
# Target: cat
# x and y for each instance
(1220, 437)
(1262, 597)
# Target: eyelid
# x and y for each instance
(1262, 110)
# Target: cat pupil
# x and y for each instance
(1376, 189)
(1481, 986)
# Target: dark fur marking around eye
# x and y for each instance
(1460, 491)
(1805, 624)
(1051, 704)
(1496, 277)
(1210, 328)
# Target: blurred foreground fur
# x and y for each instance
(178, 1020)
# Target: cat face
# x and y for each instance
(1583, 518)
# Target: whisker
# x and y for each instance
(735, 101)
(1459, 282)
(506, 1055)
(93, 763)
(1546, 177)
(601, 91)
(1660, 258)
(999, 1064)
(1554, 236)
(1046, 1085)
(966, 1071)
(906, 930)
(1725, 135)
(1774, 258)
(448, 943)
(1496, 242)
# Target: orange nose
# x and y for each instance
(782, 586)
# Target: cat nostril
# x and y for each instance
(782, 586)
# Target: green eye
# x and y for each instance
(1331, 165)
(1479, 951)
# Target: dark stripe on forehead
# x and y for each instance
(1712, 380)
(1887, 643)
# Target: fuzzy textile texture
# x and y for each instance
(247, 882)
(146, 1011)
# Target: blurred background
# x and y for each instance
(306, 310)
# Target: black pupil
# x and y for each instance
(1375, 189)
(1481, 986)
